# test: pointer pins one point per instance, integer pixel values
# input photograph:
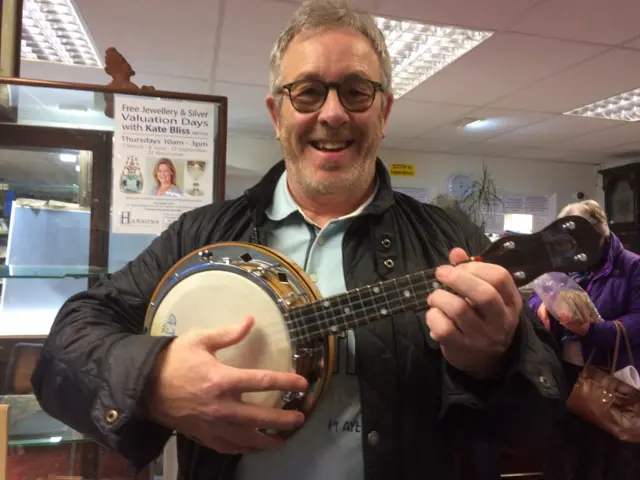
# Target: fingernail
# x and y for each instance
(444, 272)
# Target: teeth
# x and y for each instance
(331, 145)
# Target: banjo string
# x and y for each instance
(336, 316)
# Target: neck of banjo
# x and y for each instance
(361, 306)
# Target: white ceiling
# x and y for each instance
(547, 56)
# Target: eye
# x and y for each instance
(307, 89)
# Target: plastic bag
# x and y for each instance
(565, 299)
(629, 375)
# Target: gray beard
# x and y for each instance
(353, 179)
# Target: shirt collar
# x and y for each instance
(284, 205)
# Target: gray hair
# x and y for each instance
(316, 15)
(592, 211)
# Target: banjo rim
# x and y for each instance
(304, 281)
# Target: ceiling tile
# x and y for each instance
(502, 64)
(624, 152)
(613, 72)
(611, 22)
(153, 38)
(534, 153)
(485, 149)
(245, 45)
(594, 158)
(485, 14)
(247, 108)
(95, 76)
(419, 144)
(603, 140)
(635, 43)
(410, 118)
(360, 4)
(494, 122)
(627, 147)
(555, 129)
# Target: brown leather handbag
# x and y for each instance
(601, 399)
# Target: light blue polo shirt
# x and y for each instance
(329, 445)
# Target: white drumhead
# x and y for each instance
(214, 299)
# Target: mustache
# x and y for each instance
(332, 136)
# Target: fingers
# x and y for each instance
(248, 380)
(497, 277)
(442, 329)
(484, 296)
(256, 416)
(457, 311)
(216, 339)
(458, 255)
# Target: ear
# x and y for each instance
(273, 111)
(385, 113)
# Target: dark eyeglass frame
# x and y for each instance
(377, 86)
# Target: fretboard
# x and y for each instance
(360, 306)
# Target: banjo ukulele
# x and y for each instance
(294, 327)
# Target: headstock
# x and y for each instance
(569, 244)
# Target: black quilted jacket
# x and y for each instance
(96, 359)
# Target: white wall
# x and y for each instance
(528, 177)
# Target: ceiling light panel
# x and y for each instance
(625, 106)
(52, 31)
(418, 50)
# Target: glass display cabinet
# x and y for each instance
(67, 156)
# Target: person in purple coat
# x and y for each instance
(580, 450)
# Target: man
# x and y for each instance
(411, 389)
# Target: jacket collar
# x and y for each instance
(613, 248)
(260, 196)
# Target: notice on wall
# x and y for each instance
(402, 170)
(163, 153)
(540, 208)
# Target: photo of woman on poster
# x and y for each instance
(164, 175)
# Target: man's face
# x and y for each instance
(333, 149)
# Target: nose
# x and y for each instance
(332, 112)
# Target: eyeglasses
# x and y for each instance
(355, 94)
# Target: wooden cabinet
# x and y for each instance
(621, 187)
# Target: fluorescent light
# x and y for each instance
(625, 106)
(52, 31)
(476, 124)
(467, 122)
(419, 50)
(68, 157)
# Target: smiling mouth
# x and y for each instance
(331, 146)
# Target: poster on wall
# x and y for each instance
(163, 153)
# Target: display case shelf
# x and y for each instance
(49, 271)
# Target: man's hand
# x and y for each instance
(198, 396)
(476, 326)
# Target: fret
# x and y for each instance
(360, 306)
(368, 310)
(345, 315)
(381, 302)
